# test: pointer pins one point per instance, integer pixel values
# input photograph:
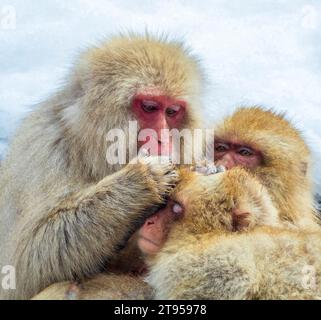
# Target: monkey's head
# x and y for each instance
(226, 202)
(268, 145)
(153, 81)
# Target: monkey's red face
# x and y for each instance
(232, 154)
(157, 113)
(153, 233)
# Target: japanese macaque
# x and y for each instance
(219, 237)
(275, 156)
(275, 152)
(123, 283)
(65, 211)
(230, 243)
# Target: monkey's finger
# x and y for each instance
(158, 160)
(221, 168)
(143, 153)
(211, 170)
(200, 169)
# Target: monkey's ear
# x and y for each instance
(240, 219)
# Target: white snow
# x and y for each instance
(254, 52)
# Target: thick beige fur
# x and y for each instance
(204, 259)
(207, 257)
(63, 213)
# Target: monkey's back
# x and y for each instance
(267, 263)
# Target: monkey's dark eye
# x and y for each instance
(173, 110)
(149, 106)
(246, 152)
(221, 147)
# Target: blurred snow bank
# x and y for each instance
(254, 52)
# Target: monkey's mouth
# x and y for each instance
(150, 241)
(148, 246)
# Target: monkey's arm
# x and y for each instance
(78, 236)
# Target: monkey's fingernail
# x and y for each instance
(165, 160)
(201, 169)
(221, 168)
(143, 153)
(211, 170)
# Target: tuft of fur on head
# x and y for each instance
(211, 202)
(189, 255)
(98, 94)
(286, 170)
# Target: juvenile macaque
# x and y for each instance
(230, 243)
(65, 211)
(219, 237)
(274, 151)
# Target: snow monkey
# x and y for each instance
(274, 151)
(231, 243)
(65, 212)
(226, 241)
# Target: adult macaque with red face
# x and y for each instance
(65, 212)
(164, 112)
(273, 150)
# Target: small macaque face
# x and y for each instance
(158, 112)
(236, 153)
(190, 203)
(154, 232)
(230, 201)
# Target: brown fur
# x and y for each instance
(286, 170)
(63, 213)
(204, 259)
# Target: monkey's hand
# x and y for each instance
(93, 224)
(207, 168)
(161, 175)
(143, 186)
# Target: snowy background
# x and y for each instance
(254, 51)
